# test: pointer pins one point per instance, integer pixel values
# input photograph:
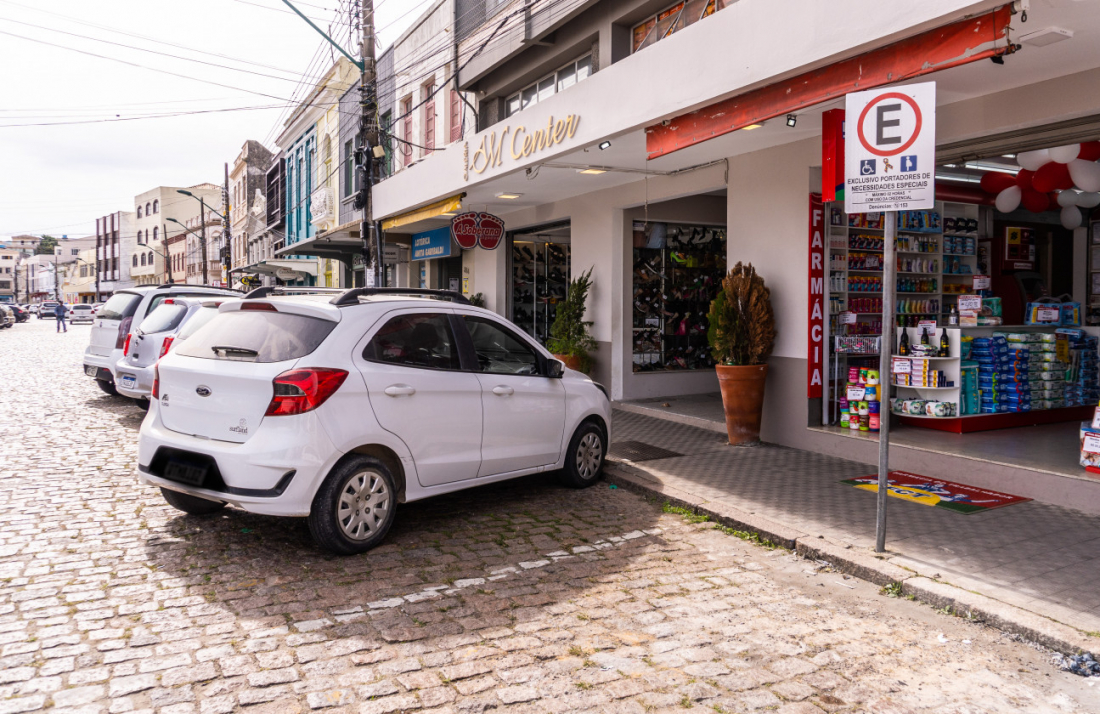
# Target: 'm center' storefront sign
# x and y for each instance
(520, 144)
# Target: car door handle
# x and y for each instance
(400, 390)
(502, 391)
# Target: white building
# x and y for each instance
(116, 240)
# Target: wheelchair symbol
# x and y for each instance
(867, 167)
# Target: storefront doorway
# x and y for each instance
(538, 276)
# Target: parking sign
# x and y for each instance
(890, 160)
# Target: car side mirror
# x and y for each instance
(555, 369)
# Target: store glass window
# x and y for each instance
(673, 19)
(549, 85)
(677, 270)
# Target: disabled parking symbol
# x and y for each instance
(867, 167)
(909, 163)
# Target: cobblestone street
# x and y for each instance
(523, 596)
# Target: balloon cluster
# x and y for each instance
(1066, 176)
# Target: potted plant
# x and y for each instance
(570, 339)
(741, 336)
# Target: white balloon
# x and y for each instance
(1067, 198)
(1071, 217)
(1088, 200)
(1032, 160)
(1065, 154)
(1085, 175)
(1009, 199)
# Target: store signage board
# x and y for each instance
(435, 243)
(477, 228)
(815, 344)
(970, 303)
(890, 152)
(982, 282)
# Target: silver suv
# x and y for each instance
(115, 320)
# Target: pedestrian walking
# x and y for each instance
(59, 313)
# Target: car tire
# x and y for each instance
(107, 387)
(143, 404)
(585, 457)
(335, 522)
(191, 505)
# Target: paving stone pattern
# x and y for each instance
(523, 597)
(1037, 556)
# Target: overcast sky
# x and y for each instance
(58, 179)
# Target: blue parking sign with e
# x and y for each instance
(867, 167)
(909, 163)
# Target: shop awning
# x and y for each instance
(272, 267)
(340, 243)
(432, 210)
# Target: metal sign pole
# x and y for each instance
(886, 351)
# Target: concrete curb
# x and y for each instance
(864, 565)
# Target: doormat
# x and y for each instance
(934, 492)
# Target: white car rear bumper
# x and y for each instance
(141, 385)
(276, 472)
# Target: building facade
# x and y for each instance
(115, 242)
(9, 272)
(247, 183)
(80, 284)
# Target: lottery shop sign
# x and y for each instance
(477, 228)
(890, 152)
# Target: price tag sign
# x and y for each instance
(1048, 314)
(982, 282)
(929, 325)
(847, 318)
(1061, 348)
(1096, 418)
(970, 303)
(1091, 445)
(904, 366)
(856, 394)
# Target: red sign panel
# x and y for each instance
(815, 344)
(832, 155)
(474, 228)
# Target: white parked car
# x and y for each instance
(152, 339)
(115, 319)
(339, 409)
(81, 313)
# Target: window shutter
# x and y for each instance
(456, 116)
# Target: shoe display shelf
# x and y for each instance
(673, 286)
(540, 279)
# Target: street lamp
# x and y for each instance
(205, 208)
(167, 259)
(202, 240)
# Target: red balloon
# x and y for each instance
(1052, 177)
(1023, 179)
(1090, 151)
(1034, 201)
(996, 181)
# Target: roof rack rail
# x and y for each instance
(351, 297)
(268, 290)
(187, 285)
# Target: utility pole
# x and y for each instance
(167, 255)
(372, 251)
(202, 242)
(227, 239)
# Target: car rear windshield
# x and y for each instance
(256, 336)
(119, 306)
(163, 319)
(198, 318)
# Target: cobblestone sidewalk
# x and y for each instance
(520, 596)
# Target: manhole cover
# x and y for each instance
(639, 451)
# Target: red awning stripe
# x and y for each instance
(956, 44)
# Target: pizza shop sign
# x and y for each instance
(474, 228)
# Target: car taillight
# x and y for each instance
(301, 390)
(126, 345)
(259, 306)
(156, 381)
(123, 332)
(165, 346)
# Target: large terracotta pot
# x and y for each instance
(571, 361)
(743, 399)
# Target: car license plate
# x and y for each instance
(90, 371)
(127, 381)
(185, 472)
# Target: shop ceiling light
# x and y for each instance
(1046, 36)
(509, 196)
(592, 171)
(791, 120)
(750, 127)
(605, 145)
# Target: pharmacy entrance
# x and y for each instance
(995, 353)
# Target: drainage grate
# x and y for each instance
(639, 451)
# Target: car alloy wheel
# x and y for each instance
(589, 455)
(364, 503)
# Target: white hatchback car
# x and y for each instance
(339, 409)
(82, 312)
